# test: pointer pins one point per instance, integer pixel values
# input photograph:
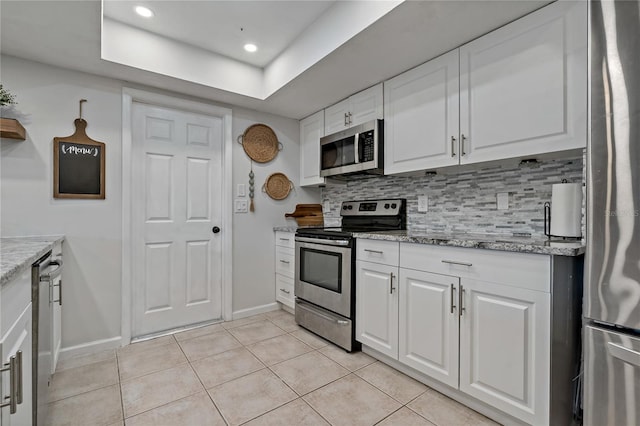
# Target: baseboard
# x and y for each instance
(474, 404)
(90, 348)
(243, 313)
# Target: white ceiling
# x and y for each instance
(68, 34)
(224, 27)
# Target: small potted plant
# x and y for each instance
(9, 127)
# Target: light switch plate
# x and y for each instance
(326, 206)
(241, 190)
(241, 206)
(423, 203)
(502, 199)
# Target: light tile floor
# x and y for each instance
(262, 370)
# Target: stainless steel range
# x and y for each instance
(325, 268)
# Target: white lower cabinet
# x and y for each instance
(377, 307)
(477, 329)
(285, 267)
(15, 348)
(429, 324)
(504, 348)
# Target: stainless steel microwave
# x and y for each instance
(357, 150)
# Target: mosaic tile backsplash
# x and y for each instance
(465, 201)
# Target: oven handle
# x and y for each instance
(342, 243)
(317, 312)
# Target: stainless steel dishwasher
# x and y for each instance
(43, 276)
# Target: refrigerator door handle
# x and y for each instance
(627, 355)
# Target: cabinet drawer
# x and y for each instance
(530, 271)
(284, 290)
(285, 239)
(285, 261)
(385, 252)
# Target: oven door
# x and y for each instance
(323, 273)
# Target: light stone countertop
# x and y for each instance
(19, 253)
(482, 241)
(292, 228)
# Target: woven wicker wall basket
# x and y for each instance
(260, 143)
(277, 186)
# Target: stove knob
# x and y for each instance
(344, 207)
(350, 207)
(394, 205)
(386, 206)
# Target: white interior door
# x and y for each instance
(177, 197)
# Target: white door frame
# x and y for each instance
(129, 96)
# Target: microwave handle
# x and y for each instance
(356, 150)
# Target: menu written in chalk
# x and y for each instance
(79, 169)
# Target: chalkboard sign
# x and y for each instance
(78, 166)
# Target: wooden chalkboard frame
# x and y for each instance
(78, 138)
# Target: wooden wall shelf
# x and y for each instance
(12, 129)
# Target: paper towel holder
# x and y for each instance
(547, 223)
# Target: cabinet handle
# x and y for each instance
(391, 287)
(350, 120)
(346, 119)
(462, 139)
(14, 367)
(453, 146)
(461, 300)
(59, 285)
(285, 239)
(285, 291)
(453, 262)
(453, 306)
(373, 251)
(19, 378)
(284, 261)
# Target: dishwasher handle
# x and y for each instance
(52, 275)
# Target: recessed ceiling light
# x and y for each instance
(144, 11)
(250, 47)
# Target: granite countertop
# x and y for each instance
(18, 253)
(482, 241)
(292, 228)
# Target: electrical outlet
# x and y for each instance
(241, 206)
(326, 206)
(423, 203)
(241, 190)
(502, 200)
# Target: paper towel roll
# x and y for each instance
(566, 210)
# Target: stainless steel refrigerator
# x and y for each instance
(612, 286)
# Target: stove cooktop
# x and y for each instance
(364, 216)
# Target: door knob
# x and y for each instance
(215, 229)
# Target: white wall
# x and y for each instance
(48, 103)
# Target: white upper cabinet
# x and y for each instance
(518, 91)
(357, 109)
(421, 116)
(311, 130)
(523, 87)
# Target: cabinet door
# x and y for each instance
(377, 307)
(18, 338)
(523, 87)
(311, 130)
(366, 105)
(336, 117)
(429, 324)
(421, 117)
(505, 347)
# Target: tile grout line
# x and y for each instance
(120, 387)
